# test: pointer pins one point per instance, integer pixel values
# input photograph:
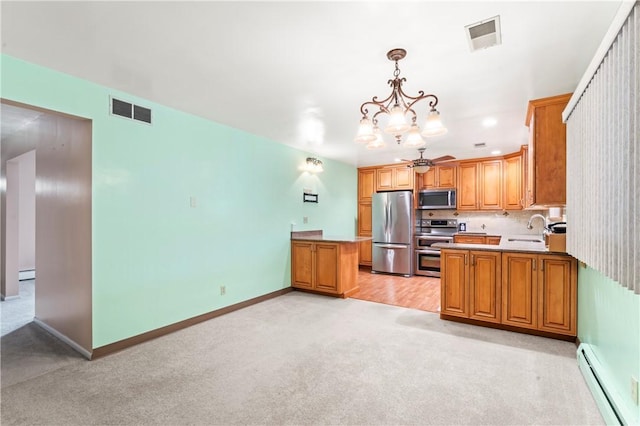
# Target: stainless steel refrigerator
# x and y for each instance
(392, 232)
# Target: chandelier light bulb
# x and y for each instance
(378, 142)
(397, 121)
(414, 140)
(365, 131)
(433, 125)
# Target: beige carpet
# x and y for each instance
(302, 359)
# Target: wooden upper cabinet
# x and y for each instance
(547, 165)
(384, 179)
(404, 177)
(468, 187)
(392, 178)
(438, 177)
(480, 185)
(366, 183)
(513, 182)
(490, 182)
(364, 219)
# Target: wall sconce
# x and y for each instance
(314, 165)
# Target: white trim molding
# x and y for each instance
(82, 351)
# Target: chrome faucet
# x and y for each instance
(544, 222)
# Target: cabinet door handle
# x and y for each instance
(473, 259)
(534, 264)
(465, 259)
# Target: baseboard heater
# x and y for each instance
(588, 364)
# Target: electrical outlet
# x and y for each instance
(223, 290)
(305, 219)
(634, 390)
(193, 202)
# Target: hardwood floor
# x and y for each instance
(415, 292)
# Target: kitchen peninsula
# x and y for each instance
(326, 265)
(517, 285)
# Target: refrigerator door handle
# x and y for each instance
(392, 246)
(387, 217)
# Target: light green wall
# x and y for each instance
(609, 321)
(156, 260)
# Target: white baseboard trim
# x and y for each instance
(27, 274)
(9, 297)
(85, 353)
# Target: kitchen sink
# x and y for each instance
(525, 240)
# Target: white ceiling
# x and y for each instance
(297, 72)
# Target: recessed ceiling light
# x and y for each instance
(496, 152)
(489, 122)
(397, 160)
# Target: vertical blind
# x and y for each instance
(603, 162)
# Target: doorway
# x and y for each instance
(61, 145)
(19, 309)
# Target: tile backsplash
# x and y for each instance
(495, 222)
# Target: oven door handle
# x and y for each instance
(436, 238)
(436, 252)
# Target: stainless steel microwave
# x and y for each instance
(434, 199)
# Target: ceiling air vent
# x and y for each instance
(129, 110)
(480, 145)
(484, 34)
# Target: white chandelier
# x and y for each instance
(397, 105)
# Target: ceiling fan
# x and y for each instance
(422, 165)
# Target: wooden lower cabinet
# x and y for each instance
(365, 255)
(524, 290)
(454, 277)
(326, 267)
(484, 285)
(519, 285)
(557, 294)
(477, 239)
(470, 284)
(539, 292)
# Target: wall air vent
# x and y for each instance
(129, 110)
(484, 34)
(142, 114)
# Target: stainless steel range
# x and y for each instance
(427, 233)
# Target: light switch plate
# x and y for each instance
(634, 390)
